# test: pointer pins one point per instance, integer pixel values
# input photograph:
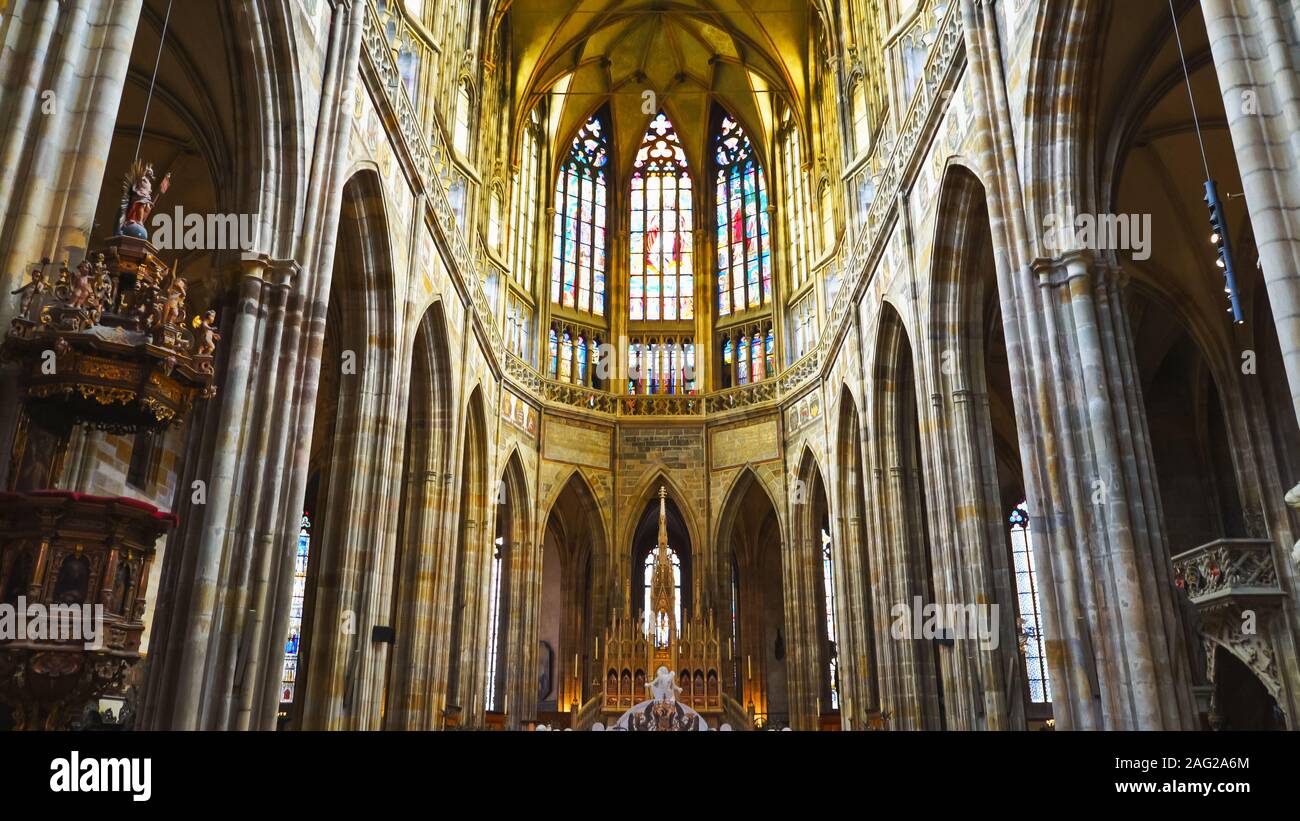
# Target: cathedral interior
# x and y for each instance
(651, 364)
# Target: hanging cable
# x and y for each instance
(162, 38)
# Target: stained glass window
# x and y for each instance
(289, 678)
(578, 238)
(742, 361)
(805, 331)
(797, 206)
(648, 608)
(744, 244)
(553, 342)
(661, 366)
(519, 322)
(661, 276)
(1031, 624)
(828, 583)
(524, 205)
(494, 625)
(566, 357)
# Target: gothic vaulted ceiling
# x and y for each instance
(737, 52)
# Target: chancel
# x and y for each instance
(821, 365)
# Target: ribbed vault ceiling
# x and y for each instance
(735, 52)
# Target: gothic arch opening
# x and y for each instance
(644, 540)
(571, 616)
(859, 619)
(756, 628)
(507, 604)
(817, 668)
(1190, 438)
(423, 524)
(356, 380)
(917, 692)
(991, 551)
(470, 562)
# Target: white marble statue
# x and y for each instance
(664, 686)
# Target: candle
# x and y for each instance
(749, 667)
(575, 665)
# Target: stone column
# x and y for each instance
(1254, 47)
(231, 582)
(62, 71)
(1101, 555)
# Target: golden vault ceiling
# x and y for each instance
(739, 53)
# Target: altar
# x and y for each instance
(684, 660)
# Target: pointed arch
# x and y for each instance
(647, 491)
(424, 525)
(739, 486)
(815, 690)
(752, 584)
(860, 612)
(644, 521)
(976, 461)
(572, 609)
(470, 564)
(508, 605)
(912, 692)
(359, 377)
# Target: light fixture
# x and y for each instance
(1218, 220)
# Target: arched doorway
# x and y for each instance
(915, 695)
(572, 615)
(471, 561)
(755, 627)
(424, 527)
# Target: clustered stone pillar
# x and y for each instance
(1254, 46)
(1110, 620)
(226, 618)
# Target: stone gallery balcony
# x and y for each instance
(1228, 571)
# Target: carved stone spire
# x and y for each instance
(661, 581)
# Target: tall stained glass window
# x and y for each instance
(661, 278)
(648, 608)
(828, 583)
(289, 678)
(578, 238)
(524, 206)
(744, 245)
(1031, 623)
(797, 206)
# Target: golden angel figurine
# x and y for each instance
(207, 333)
(31, 292)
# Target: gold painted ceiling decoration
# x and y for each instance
(738, 53)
